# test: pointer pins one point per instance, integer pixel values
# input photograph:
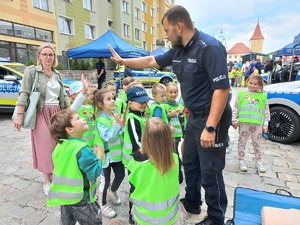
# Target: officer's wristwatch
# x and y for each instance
(210, 129)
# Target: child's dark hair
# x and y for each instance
(99, 96)
(59, 122)
(257, 77)
(157, 144)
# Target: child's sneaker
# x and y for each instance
(260, 167)
(107, 211)
(243, 166)
(116, 200)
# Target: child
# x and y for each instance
(155, 201)
(175, 113)
(251, 114)
(135, 122)
(112, 87)
(110, 131)
(77, 91)
(76, 168)
(159, 97)
(123, 94)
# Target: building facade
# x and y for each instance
(26, 24)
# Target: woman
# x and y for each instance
(53, 99)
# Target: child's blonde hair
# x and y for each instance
(99, 97)
(135, 83)
(90, 91)
(59, 122)
(127, 80)
(108, 83)
(156, 87)
(169, 84)
(258, 77)
(157, 144)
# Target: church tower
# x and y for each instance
(257, 40)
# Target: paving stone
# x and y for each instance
(287, 177)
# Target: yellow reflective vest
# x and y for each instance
(155, 198)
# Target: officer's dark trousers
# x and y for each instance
(204, 166)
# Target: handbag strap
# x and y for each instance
(36, 77)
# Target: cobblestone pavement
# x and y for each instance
(22, 200)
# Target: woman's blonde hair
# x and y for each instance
(157, 144)
(46, 45)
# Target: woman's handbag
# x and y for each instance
(29, 119)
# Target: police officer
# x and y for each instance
(199, 62)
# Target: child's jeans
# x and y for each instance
(253, 130)
(84, 212)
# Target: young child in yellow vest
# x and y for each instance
(135, 121)
(76, 168)
(157, 106)
(123, 94)
(109, 131)
(155, 201)
(176, 118)
(111, 86)
(251, 115)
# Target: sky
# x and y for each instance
(279, 20)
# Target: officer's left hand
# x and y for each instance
(207, 139)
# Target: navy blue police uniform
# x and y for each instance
(201, 68)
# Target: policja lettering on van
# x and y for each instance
(9, 88)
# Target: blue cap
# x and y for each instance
(137, 94)
(75, 87)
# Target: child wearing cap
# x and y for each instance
(137, 99)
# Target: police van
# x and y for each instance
(11, 75)
(284, 102)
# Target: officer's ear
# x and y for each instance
(179, 27)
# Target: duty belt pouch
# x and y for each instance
(248, 205)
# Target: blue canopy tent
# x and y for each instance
(99, 48)
(158, 51)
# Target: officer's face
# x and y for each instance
(172, 33)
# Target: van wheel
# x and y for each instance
(165, 80)
(284, 126)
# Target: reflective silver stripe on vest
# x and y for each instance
(174, 123)
(89, 137)
(155, 205)
(250, 116)
(178, 131)
(126, 156)
(127, 145)
(66, 181)
(116, 153)
(91, 127)
(160, 220)
(64, 195)
(252, 110)
(116, 142)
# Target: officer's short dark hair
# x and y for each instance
(177, 14)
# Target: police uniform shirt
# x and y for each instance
(200, 68)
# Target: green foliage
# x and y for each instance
(82, 64)
(59, 66)
(30, 62)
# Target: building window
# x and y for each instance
(109, 1)
(144, 45)
(89, 31)
(158, 25)
(126, 29)
(125, 6)
(19, 30)
(152, 47)
(110, 23)
(144, 27)
(144, 9)
(42, 4)
(136, 13)
(43, 35)
(137, 33)
(65, 25)
(6, 28)
(152, 30)
(70, 1)
(152, 11)
(88, 4)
